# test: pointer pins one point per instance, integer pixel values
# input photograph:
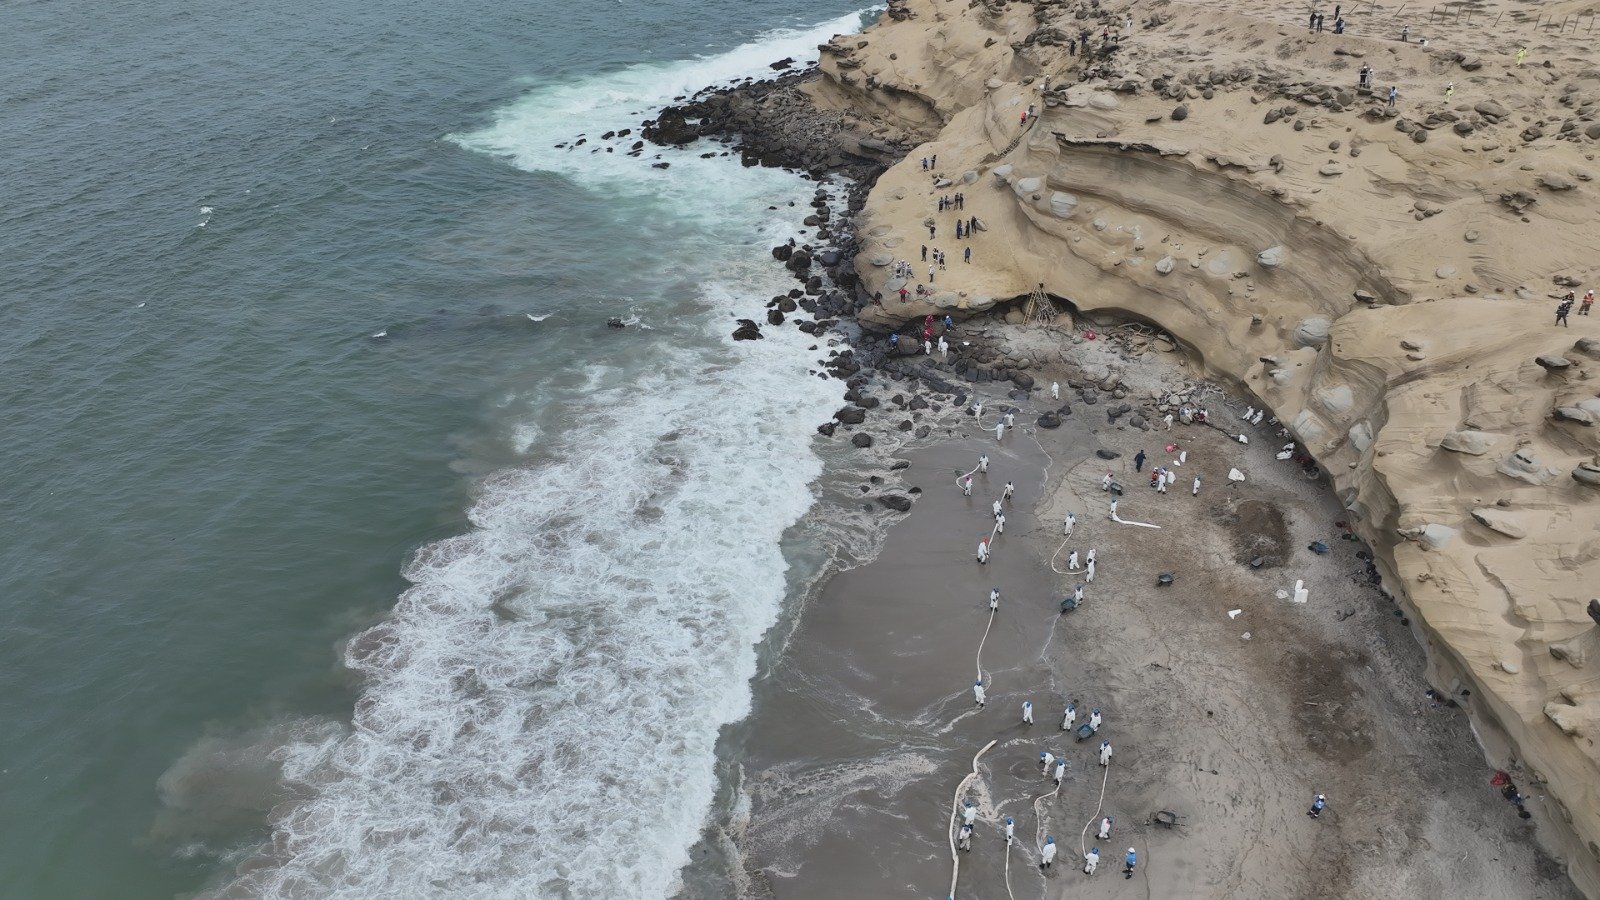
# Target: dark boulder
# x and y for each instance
(896, 502)
(1050, 420)
(851, 415)
(861, 440)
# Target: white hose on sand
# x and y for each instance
(955, 858)
(1121, 521)
(982, 641)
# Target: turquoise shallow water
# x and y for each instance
(215, 474)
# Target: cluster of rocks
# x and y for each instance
(773, 123)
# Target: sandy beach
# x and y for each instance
(867, 727)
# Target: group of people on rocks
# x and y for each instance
(1564, 307)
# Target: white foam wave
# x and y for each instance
(527, 131)
(542, 706)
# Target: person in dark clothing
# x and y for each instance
(1564, 307)
(1311, 22)
(1138, 461)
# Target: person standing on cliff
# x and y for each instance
(961, 200)
(934, 161)
(1562, 308)
(1072, 47)
(924, 164)
(1311, 21)
(1394, 94)
(966, 256)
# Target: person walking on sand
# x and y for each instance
(924, 252)
(1113, 509)
(1318, 804)
(966, 256)
(1010, 830)
(964, 840)
(966, 485)
(1522, 54)
(999, 431)
(1094, 720)
(994, 598)
(1011, 422)
(1088, 572)
(1048, 761)
(1562, 308)
(977, 691)
(944, 346)
(1138, 461)
(930, 274)
(1105, 828)
(924, 164)
(1072, 560)
(1000, 524)
(1105, 483)
(1069, 717)
(1010, 489)
(1167, 419)
(983, 458)
(1196, 491)
(1405, 34)
(1067, 525)
(983, 559)
(1394, 94)
(1092, 861)
(1027, 712)
(969, 813)
(1588, 301)
(933, 161)
(1055, 386)
(995, 509)
(1128, 862)
(1105, 753)
(1047, 854)
(1061, 771)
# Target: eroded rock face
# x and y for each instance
(1475, 443)
(1312, 332)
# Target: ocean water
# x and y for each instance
(347, 552)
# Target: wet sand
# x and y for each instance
(868, 725)
(871, 711)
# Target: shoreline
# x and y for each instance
(863, 728)
(1304, 385)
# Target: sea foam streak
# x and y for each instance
(541, 708)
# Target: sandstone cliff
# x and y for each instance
(1383, 278)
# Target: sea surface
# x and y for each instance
(346, 552)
